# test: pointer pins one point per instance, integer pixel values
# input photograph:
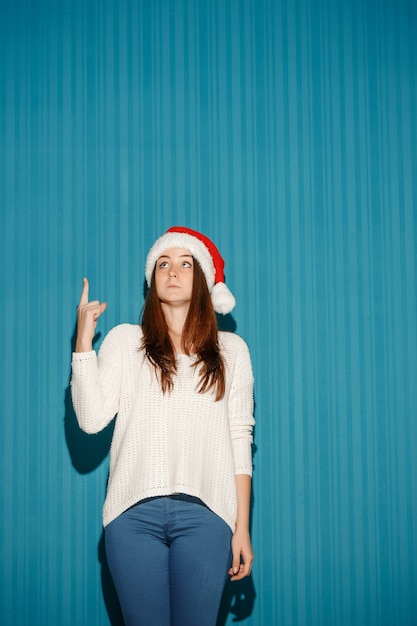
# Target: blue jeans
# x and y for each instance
(169, 557)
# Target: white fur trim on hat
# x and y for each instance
(181, 240)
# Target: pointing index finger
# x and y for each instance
(84, 293)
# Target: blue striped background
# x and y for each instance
(287, 132)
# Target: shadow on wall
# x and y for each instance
(238, 599)
(87, 453)
(239, 596)
(226, 322)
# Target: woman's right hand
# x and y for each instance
(88, 314)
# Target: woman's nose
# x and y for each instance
(172, 271)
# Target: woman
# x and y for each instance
(176, 513)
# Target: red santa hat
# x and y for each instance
(208, 256)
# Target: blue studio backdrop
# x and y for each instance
(285, 130)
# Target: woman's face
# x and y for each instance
(174, 272)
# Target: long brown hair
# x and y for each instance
(199, 337)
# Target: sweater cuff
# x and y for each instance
(242, 454)
(79, 357)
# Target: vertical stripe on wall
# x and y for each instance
(287, 132)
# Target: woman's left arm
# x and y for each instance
(241, 423)
(241, 543)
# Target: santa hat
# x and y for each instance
(208, 256)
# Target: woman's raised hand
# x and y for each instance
(88, 314)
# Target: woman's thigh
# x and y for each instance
(137, 555)
(199, 557)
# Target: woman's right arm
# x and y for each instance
(95, 383)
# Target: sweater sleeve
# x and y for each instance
(95, 385)
(241, 411)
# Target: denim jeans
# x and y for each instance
(169, 557)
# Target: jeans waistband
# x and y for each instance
(184, 497)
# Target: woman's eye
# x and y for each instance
(163, 264)
(186, 264)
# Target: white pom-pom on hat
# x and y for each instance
(208, 256)
(222, 298)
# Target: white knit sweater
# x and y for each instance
(178, 442)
